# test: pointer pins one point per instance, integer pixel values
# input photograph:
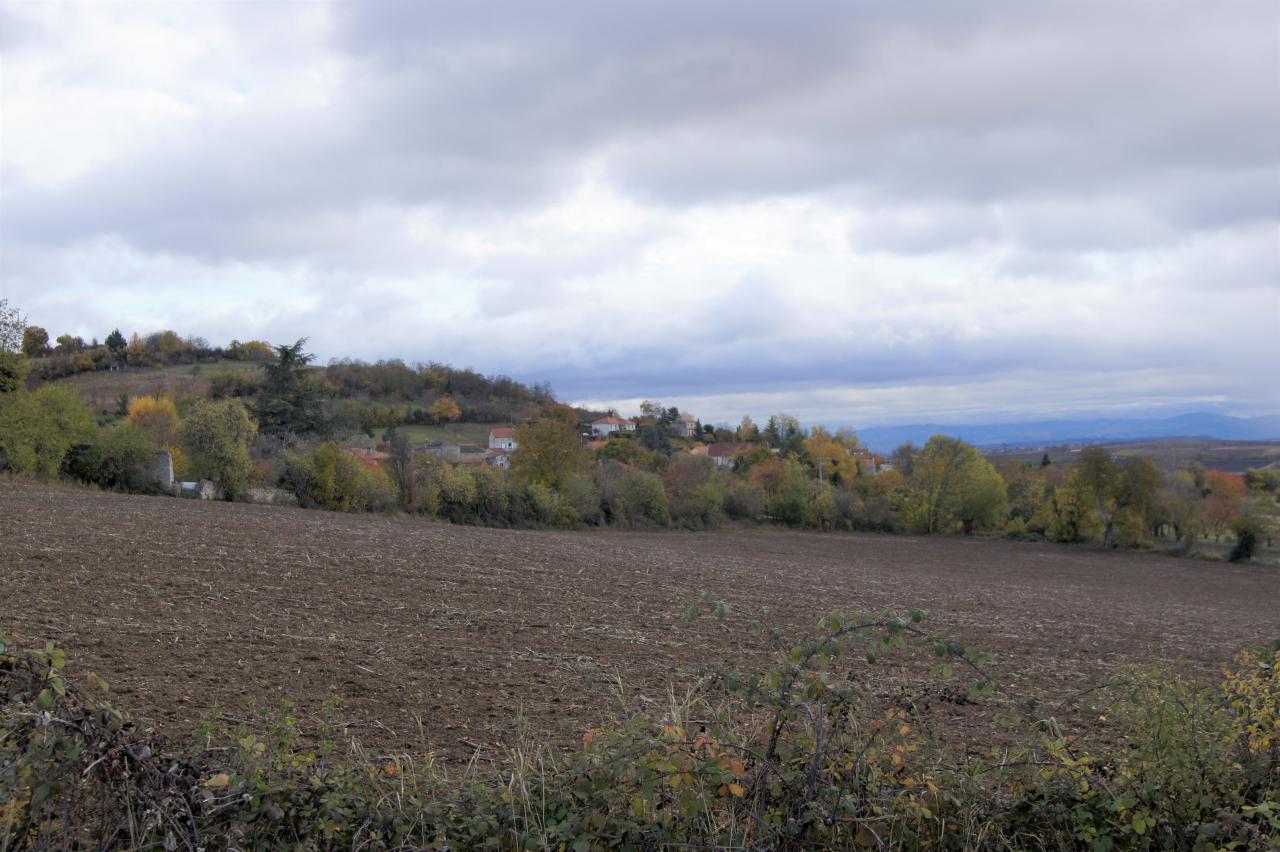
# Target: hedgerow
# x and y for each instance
(801, 755)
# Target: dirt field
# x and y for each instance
(437, 637)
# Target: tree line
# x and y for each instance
(287, 434)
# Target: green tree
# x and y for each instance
(1127, 491)
(951, 483)
(550, 452)
(38, 430)
(215, 439)
(291, 399)
(35, 341)
(115, 341)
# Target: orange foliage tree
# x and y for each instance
(1223, 493)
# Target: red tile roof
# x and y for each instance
(502, 432)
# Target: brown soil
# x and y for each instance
(437, 637)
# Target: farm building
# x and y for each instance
(606, 426)
(503, 438)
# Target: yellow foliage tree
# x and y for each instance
(157, 416)
(445, 410)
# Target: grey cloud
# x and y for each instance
(456, 106)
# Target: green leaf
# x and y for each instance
(45, 700)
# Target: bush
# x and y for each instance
(122, 458)
(744, 501)
(631, 498)
(795, 757)
(38, 430)
(329, 477)
(1248, 532)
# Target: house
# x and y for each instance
(503, 438)
(501, 459)
(724, 453)
(606, 426)
(865, 460)
(443, 449)
(685, 426)
(700, 450)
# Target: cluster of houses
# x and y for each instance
(502, 443)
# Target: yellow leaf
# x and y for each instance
(737, 790)
(222, 779)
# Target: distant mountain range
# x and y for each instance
(1047, 433)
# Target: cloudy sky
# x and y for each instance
(860, 213)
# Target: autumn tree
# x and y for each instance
(215, 439)
(829, 455)
(35, 341)
(550, 451)
(1223, 494)
(157, 416)
(747, 429)
(445, 410)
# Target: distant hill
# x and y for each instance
(1046, 433)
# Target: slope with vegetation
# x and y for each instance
(279, 421)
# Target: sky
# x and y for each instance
(858, 213)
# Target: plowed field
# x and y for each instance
(437, 637)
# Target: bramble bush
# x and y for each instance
(801, 755)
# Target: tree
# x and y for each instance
(13, 364)
(655, 438)
(445, 410)
(35, 341)
(400, 465)
(903, 458)
(1223, 494)
(1045, 461)
(550, 452)
(157, 416)
(747, 430)
(38, 430)
(951, 483)
(829, 456)
(1117, 490)
(215, 438)
(291, 398)
(115, 341)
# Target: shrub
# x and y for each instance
(583, 497)
(744, 501)
(795, 757)
(38, 430)
(329, 477)
(1248, 532)
(121, 458)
